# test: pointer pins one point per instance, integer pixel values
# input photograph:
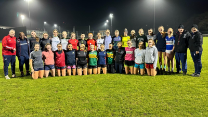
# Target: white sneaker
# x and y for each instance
(7, 77)
(14, 76)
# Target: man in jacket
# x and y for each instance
(9, 53)
(195, 47)
(181, 45)
(23, 51)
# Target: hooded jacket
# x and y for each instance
(195, 42)
(181, 42)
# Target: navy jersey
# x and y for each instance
(102, 58)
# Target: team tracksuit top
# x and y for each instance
(120, 54)
(115, 41)
(169, 42)
(43, 42)
(81, 55)
(70, 57)
(74, 43)
(81, 41)
(23, 47)
(92, 55)
(129, 53)
(59, 58)
(195, 42)
(8, 44)
(102, 58)
(91, 42)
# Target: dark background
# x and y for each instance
(130, 14)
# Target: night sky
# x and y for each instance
(130, 14)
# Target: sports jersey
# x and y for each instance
(142, 38)
(92, 58)
(54, 42)
(107, 41)
(91, 42)
(81, 55)
(102, 58)
(99, 42)
(64, 43)
(60, 58)
(70, 57)
(48, 57)
(74, 43)
(115, 41)
(36, 57)
(161, 43)
(170, 41)
(110, 56)
(124, 41)
(129, 53)
(82, 41)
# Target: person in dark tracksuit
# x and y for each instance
(33, 40)
(195, 47)
(23, 53)
(181, 45)
(119, 58)
(9, 53)
(45, 40)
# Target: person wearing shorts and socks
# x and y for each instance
(139, 58)
(82, 60)
(92, 60)
(119, 58)
(102, 59)
(9, 53)
(151, 56)
(60, 61)
(36, 62)
(70, 55)
(170, 40)
(161, 47)
(110, 59)
(48, 58)
(23, 53)
(129, 58)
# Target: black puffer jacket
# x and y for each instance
(182, 41)
(195, 42)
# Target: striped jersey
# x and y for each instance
(169, 42)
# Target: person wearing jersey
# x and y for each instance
(99, 41)
(151, 35)
(74, 41)
(151, 56)
(70, 55)
(55, 40)
(36, 62)
(60, 61)
(161, 47)
(91, 41)
(141, 37)
(180, 48)
(139, 54)
(110, 59)
(107, 39)
(23, 53)
(129, 58)
(170, 40)
(34, 39)
(102, 59)
(48, 58)
(45, 40)
(195, 47)
(133, 38)
(82, 41)
(92, 60)
(125, 38)
(116, 39)
(119, 58)
(64, 41)
(81, 60)
(9, 53)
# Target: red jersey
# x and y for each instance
(91, 42)
(60, 59)
(8, 44)
(74, 43)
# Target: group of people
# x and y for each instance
(132, 54)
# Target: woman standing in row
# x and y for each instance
(74, 41)
(82, 60)
(92, 60)
(102, 59)
(70, 55)
(129, 58)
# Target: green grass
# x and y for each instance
(107, 95)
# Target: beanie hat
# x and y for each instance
(195, 26)
(180, 26)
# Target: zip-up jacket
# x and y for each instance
(8, 44)
(18, 47)
(181, 42)
(195, 42)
